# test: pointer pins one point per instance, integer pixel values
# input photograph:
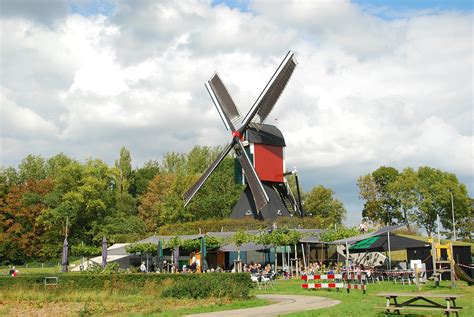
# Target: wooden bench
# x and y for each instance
(427, 298)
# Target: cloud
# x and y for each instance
(44, 12)
(367, 91)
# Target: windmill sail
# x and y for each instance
(259, 195)
(189, 194)
(223, 102)
(272, 91)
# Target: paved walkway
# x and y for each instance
(285, 304)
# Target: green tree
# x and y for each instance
(239, 238)
(125, 203)
(383, 176)
(403, 191)
(32, 167)
(142, 177)
(340, 232)
(465, 225)
(320, 201)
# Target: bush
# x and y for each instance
(170, 285)
(210, 285)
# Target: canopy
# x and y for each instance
(380, 243)
(244, 247)
(364, 236)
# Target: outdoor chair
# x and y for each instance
(374, 277)
(263, 281)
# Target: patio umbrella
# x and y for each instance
(203, 255)
(65, 260)
(176, 258)
(104, 252)
(159, 255)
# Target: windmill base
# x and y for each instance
(245, 207)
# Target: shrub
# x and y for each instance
(170, 285)
(210, 285)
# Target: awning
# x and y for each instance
(379, 232)
(380, 243)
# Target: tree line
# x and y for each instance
(417, 197)
(120, 202)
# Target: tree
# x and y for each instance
(125, 203)
(142, 177)
(465, 225)
(434, 188)
(218, 195)
(55, 165)
(403, 191)
(340, 233)
(153, 202)
(84, 250)
(320, 201)
(383, 176)
(239, 238)
(18, 220)
(373, 206)
(32, 167)
(411, 196)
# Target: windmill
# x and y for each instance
(258, 149)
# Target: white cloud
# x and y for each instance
(367, 91)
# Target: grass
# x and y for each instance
(147, 302)
(358, 304)
(72, 303)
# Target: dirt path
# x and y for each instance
(285, 304)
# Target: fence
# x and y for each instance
(348, 280)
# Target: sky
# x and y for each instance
(377, 83)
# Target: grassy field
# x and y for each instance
(57, 302)
(358, 304)
(38, 301)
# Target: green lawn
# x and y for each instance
(148, 302)
(358, 304)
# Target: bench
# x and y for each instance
(426, 298)
(51, 281)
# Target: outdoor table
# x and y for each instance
(429, 303)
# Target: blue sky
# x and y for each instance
(395, 5)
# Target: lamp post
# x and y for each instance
(452, 211)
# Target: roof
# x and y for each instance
(383, 242)
(379, 232)
(265, 134)
(250, 246)
(110, 258)
(155, 239)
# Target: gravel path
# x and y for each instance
(285, 304)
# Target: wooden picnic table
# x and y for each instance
(427, 298)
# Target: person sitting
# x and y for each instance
(193, 262)
(143, 268)
(253, 268)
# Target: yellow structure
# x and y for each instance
(438, 269)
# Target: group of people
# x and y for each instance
(13, 272)
(257, 269)
(333, 268)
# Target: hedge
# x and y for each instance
(236, 285)
(229, 224)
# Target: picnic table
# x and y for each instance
(427, 298)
